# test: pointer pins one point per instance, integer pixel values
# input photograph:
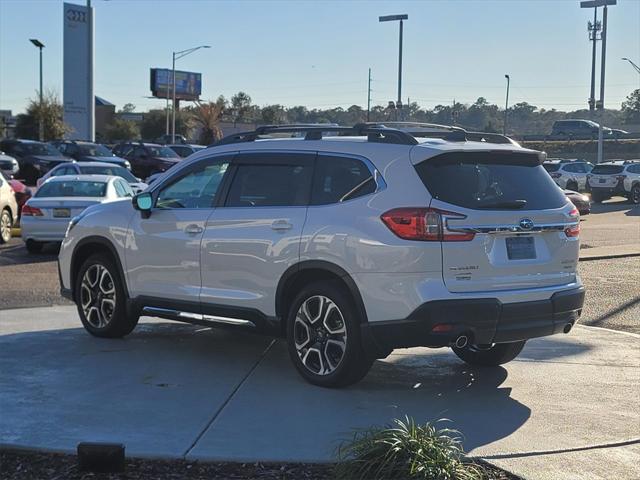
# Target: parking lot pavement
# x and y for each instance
(614, 222)
(184, 391)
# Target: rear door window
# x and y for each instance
(551, 167)
(271, 180)
(491, 180)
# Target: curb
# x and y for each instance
(612, 255)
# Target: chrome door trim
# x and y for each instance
(195, 317)
(510, 228)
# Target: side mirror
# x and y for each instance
(143, 202)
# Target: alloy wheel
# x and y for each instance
(320, 335)
(635, 195)
(5, 226)
(98, 296)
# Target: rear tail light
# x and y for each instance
(574, 213)
(424, 224)
(29, 211)
(572, 231)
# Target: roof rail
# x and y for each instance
(445, 132)
(374, 133)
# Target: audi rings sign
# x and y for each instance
(78, 93)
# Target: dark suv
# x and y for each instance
(578, 129)
(34, 158)
(146, 158)
(89, 152)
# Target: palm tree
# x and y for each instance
(207, 116)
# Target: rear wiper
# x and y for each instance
(509, 205)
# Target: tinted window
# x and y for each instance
(43, 149)
(182, 151)
(607, 169)
(196, 189)
(338, 178)
(572, 168)
(633, 169)
(484, 180)
(94, 150)
(551, 167)
(114, 170)
(123, 189)
(72, 188)
(270, 185)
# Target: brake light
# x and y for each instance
(574, 213)
(29, 211)
(424, 224)
(572, 231)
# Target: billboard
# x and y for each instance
(78, 99)
(188, 84)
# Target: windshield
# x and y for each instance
(607, 169)
(164, 152)
(551, 167)
(72, 188)
(484, 180)
(94, 150)
(40, 149)
(115, 170)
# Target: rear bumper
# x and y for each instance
(617, 190)
(483, 320)
(43, 230)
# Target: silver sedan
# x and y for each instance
(46, 216)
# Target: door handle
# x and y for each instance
(193, 229)
(281, 225)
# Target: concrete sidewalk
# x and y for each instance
(173, 391)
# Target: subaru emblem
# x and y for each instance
(526, 224)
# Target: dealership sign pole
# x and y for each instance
(78, 94)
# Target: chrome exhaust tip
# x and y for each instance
(461, 341)
(567, 327)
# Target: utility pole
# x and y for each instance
(369, 96)
(599, 105)
(91, 105)
(506, 106)
(593, 29)
(401, 18)
(37, 43)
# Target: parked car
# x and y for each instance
(186, 149)
(22, 194)
(147, 158)
(95, 168)
(8, 209)
(90, 152)
(569, 174)
(34, 158)
(578, 129)
(621, 177)
(167, 139)
(347, 246)
(581, 202)
(8, 165)
(46, 216)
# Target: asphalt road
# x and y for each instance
(613, 286)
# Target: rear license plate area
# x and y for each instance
(521, 248)
(602, 180)
(61, 213)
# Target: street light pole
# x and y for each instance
(401, 18)
(40, 46)
(637, 68)
(177, 56)
(506, 106)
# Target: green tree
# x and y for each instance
(273, 115)
(631, 108)
(241, 107)
(121, 130)
(154, 123)
(207, 116)
(128, 108)
(27, 124)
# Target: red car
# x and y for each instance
(22, 194)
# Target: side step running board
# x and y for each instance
(196, 318)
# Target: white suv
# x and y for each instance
(569, 174)
(348, 245)
(620, 177)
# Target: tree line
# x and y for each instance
(200, 122)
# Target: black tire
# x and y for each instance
(634, 196)
(572, 186)
(33, 246)
(6, 222)
(111, 321)
(353, 364)
(493, 356)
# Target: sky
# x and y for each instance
(317, 53)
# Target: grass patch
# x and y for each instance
(406, 450)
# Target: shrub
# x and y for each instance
(404, 450)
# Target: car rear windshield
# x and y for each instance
(94, 150)
(491, 181)
(73, 188)
(551, 167)
(163, 152)
(607, 169)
